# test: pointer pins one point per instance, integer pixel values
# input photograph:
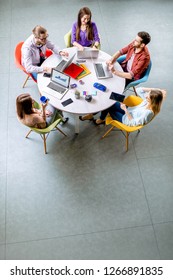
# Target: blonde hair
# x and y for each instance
(156, 98)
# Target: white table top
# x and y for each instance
(80, 106)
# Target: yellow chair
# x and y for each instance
(67, 40)
(130, 101)
(44, 132)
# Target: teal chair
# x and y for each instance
(139, 81)
(44, 132)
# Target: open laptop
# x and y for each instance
(59, 84)
(87, 53)
(64, 63)
(102, 71)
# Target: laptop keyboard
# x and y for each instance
(100, 70)
(56, 87)
(60, 65)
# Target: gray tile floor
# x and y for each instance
(86, 199)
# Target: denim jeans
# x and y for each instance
(115, 112)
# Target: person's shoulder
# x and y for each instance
(74, 24)
(28, 41)
(146, 50)
(93, 24)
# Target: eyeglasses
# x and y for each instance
(43, 39)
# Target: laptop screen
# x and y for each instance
(60, 78)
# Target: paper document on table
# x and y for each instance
(85, 72)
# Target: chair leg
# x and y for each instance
(44, 140)
(60, 131)
(26, 81)
(28, 133)
(135, 91)
(107, 132)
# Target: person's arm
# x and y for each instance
(73, 38)
(141, 119)
(56, 49)
(149, 89)
(80, 47)
(28, 61)
(123, 107)
(118, 73)
(96, 36)
(115, 56)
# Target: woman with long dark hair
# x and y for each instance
(84, 31)
(30, 116)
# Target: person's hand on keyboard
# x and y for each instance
(112, 69)
(64, 53)
(47, 69)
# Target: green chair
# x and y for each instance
(67, 40)
(44, 132)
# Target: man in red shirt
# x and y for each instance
(137, 58)
(136, 62)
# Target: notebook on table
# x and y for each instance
(59, 84)
(87, 53)
(64, 63)
(73, 70)
(102, 71)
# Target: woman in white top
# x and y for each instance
(137, 115)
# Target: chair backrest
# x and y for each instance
(143, 79)
(67, 39)
(121, 58)
(17, 55)
(132, 100)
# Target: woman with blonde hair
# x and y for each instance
(84, 31)
(137, 115)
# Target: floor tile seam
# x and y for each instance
(8, 132)
(104, 27)
(149, 210)
(155, 157)
(78, 234)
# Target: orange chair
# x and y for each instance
(20, 66)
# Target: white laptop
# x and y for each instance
(102, 71)
(64, 63)
(87, 53)
(59, 84)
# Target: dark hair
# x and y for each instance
(145, 36)
(38, 30)
(84, 11)
(24, 105)
(156, 97)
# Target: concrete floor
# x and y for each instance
(86, 199)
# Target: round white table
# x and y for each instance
(80, 106)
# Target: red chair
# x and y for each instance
(20, 66)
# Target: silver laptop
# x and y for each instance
(64, 63)
(87, 53)
(102, 71)
(59, 84)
